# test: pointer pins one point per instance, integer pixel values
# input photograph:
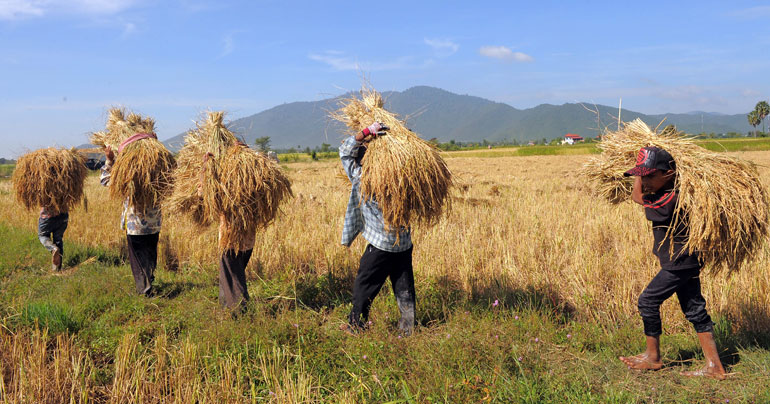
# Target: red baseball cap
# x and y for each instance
(651, 159)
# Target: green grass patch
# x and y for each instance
(561, 150)
(21, 250)
(57, 318)
(527, 348)
(733, 145)
(6, 170)
(718, 145)
(304, 157)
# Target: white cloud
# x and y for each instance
(15, 9)
(12, 9)
(228, 45)
(9, 60)
(98, 6)
(335, 60)
(682, 92)
(442, 47)
(128, 29)
(340, 61)
(196, 6)
(504, 53)
(750, 93)
(752, 12)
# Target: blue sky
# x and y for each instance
(62, 63)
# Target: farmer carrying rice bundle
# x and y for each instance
(707, 211)
(50, 179)
(138, 170)
(397, 179)
(219, 178)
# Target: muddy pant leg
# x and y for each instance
(694, 305)
(143, 256)
(58, 231)
(372, 273)
(44, 232)
(402, 279)
(232, 278)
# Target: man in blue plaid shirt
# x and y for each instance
(389, 252)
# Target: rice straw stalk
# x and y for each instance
(721, 196)
(51, 178)
(402, 172)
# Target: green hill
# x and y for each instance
(433, 112)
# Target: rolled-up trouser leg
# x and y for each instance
(694, 305)
(662, 286)
(402, 280)
(46, 241)
(372, 272)
(58, 232)
(50, 231)
(143, 256)
(232, 278)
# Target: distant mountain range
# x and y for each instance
(436, 113)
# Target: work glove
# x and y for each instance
(374, 130)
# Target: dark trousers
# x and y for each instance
(232, 278)
(686, 284)
(50, 231)
(143, 256)
(375, 267)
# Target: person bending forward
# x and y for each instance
(655, 189)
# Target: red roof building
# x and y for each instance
(571, 138)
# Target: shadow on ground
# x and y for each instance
(437, 298)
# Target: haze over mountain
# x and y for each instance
(433, 112)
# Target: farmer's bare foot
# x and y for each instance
(641, 362)
(349, 329)
(711, 370)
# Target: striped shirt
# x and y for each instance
(365, 216)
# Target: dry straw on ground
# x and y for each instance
(51, 178)
(721, 196)
(402, 172)
(219, 178)
(142, 171)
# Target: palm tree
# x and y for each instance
(763, 110)
(754, 120)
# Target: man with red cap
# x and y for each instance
(655, 188)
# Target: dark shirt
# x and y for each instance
(659, 209)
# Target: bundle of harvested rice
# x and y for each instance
(50, 178)
(142, 169)
(721, 196)
(251, 188)
(204, 145)
(219, 177)
(402, 172)
(117, 130)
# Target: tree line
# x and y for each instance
(758, 115)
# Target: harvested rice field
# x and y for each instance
(526, 292)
